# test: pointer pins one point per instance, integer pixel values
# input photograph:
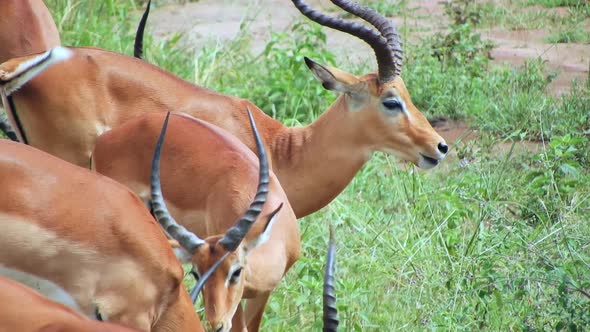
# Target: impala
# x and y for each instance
(26, 27)
(209, 177)
(24, 310)
(95, 90)
(92, 237)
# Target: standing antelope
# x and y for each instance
(24, 310)
(26, 27)
(209, 177)
(91, 236)
(95, 90)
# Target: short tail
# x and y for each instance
(138, 46)
(16, 72)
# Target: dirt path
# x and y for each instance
(220, 19)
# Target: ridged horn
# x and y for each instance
(383, 25)
(330, 311)
(386, 59)
(234, 236)
(189, 241)
(138, 45)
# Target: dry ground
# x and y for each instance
(220, 20)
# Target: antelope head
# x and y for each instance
(218, 262)
(378, 103)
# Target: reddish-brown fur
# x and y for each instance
(208, 180)
(24, 310)
(91, 236)
(26, 27)
(69, 105)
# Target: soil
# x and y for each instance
(220, 19)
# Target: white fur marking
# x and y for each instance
(27, 70)
(264, 236)
(47, 288)
(183, 256)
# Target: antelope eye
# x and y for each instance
(392, 104)
(195, 275)
(235, 276)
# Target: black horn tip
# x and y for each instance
(276, 210)
(138, 46)
(272, 215)
(201, 282)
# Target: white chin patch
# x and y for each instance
(423, 163)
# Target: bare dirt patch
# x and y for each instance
(221, 20)
(204, 20)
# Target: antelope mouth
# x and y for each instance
(427, 162)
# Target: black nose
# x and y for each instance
(442, 147)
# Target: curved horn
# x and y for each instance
(138, 45)
(386, 59)
(382, 24)
(189, 241)
(234, 236)
(330, 311)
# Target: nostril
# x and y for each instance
(442, 147)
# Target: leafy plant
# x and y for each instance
(552, 184)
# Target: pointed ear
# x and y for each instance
(263, 237)
(183, 256)
(333, 79)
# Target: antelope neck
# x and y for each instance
(316, 162)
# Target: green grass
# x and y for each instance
(494, 239)
(558, 3)
(570, 36)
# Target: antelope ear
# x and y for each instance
(264, 236)
(183, 256)
(333, 79)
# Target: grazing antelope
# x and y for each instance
(91, 236)
(26, 27)
(23, 309)
(209, 178)
(96, 90)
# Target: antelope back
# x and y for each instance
(26, 27)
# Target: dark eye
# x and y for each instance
(195, 275)
(235, 276)
(392, 104)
